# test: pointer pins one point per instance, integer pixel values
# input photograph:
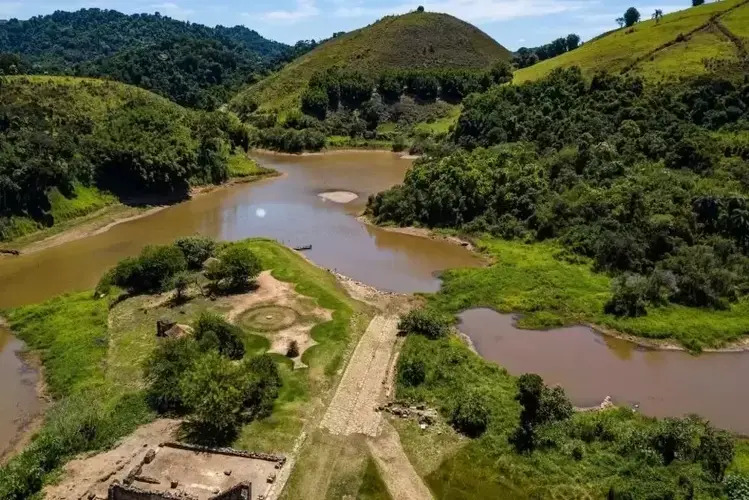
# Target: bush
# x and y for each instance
(293, 350)
(424, 322)
(471, 413)
(197, 249)
(237, 265)
(629, 297)
(213, 389)
(213, 332)
(411, 372)
(164, 369)
(716, 452)
(152, 271)
(264, 387)
(736, 487)
(181, 282)
(399, 144)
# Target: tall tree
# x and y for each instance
(631, 17)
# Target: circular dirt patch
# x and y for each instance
(269, 318)
(339, 196)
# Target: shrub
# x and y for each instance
(736, 487)
(264, 387)
(471, 413)
(293, 350)
(411, 372)
(674, 438)
(197, 249)
(164, 369)
(215, 333)
(424, 322)
(152, 271)
(213, 389)
(181, 282)
(716, 452)
(237, 265)
(629, 297)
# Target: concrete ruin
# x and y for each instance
(179, 471)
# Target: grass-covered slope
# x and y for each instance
(419, 40)
(687, 43)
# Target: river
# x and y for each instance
(289, 208)
(591, 366)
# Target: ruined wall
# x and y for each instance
(242, 491)
(118, 491)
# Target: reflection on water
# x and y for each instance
(591, 366)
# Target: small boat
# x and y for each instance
(303, 248)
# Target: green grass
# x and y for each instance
(440, 126)
(534, 280)
(425, 40)
(456, 467)
(242, 166)
(738, 22)
(622, 48)
(83, 201)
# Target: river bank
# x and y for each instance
(105, 219)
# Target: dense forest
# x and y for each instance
(353, 103)
(191, 64)
(59, 133)
(649, 182)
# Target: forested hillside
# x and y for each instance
(191, 64)
(649, 182)
(62, 135)
(691, 42)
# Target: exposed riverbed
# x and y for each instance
(591, 366)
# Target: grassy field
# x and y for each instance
(415, 40)
(583, 457)
(535, 280)
(93, 349)
(242, 166)
(625, 47)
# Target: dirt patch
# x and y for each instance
(342, 197)
(90, 476)
(265, 305)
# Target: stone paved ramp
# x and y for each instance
(352, 410)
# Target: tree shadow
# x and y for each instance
(205, 434)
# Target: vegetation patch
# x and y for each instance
(269, 318)
(580, 455)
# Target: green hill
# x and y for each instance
(192, 64)
(687, 43)
(64, 141)
(419, 40)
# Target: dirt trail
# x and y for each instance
(400, 477)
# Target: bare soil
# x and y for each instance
(89, 477)
(341, 197)
(279, 294)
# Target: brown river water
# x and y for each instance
(591, 366)
(289, 209)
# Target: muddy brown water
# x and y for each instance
(19, 403)
(591, 366)
(286, 208)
